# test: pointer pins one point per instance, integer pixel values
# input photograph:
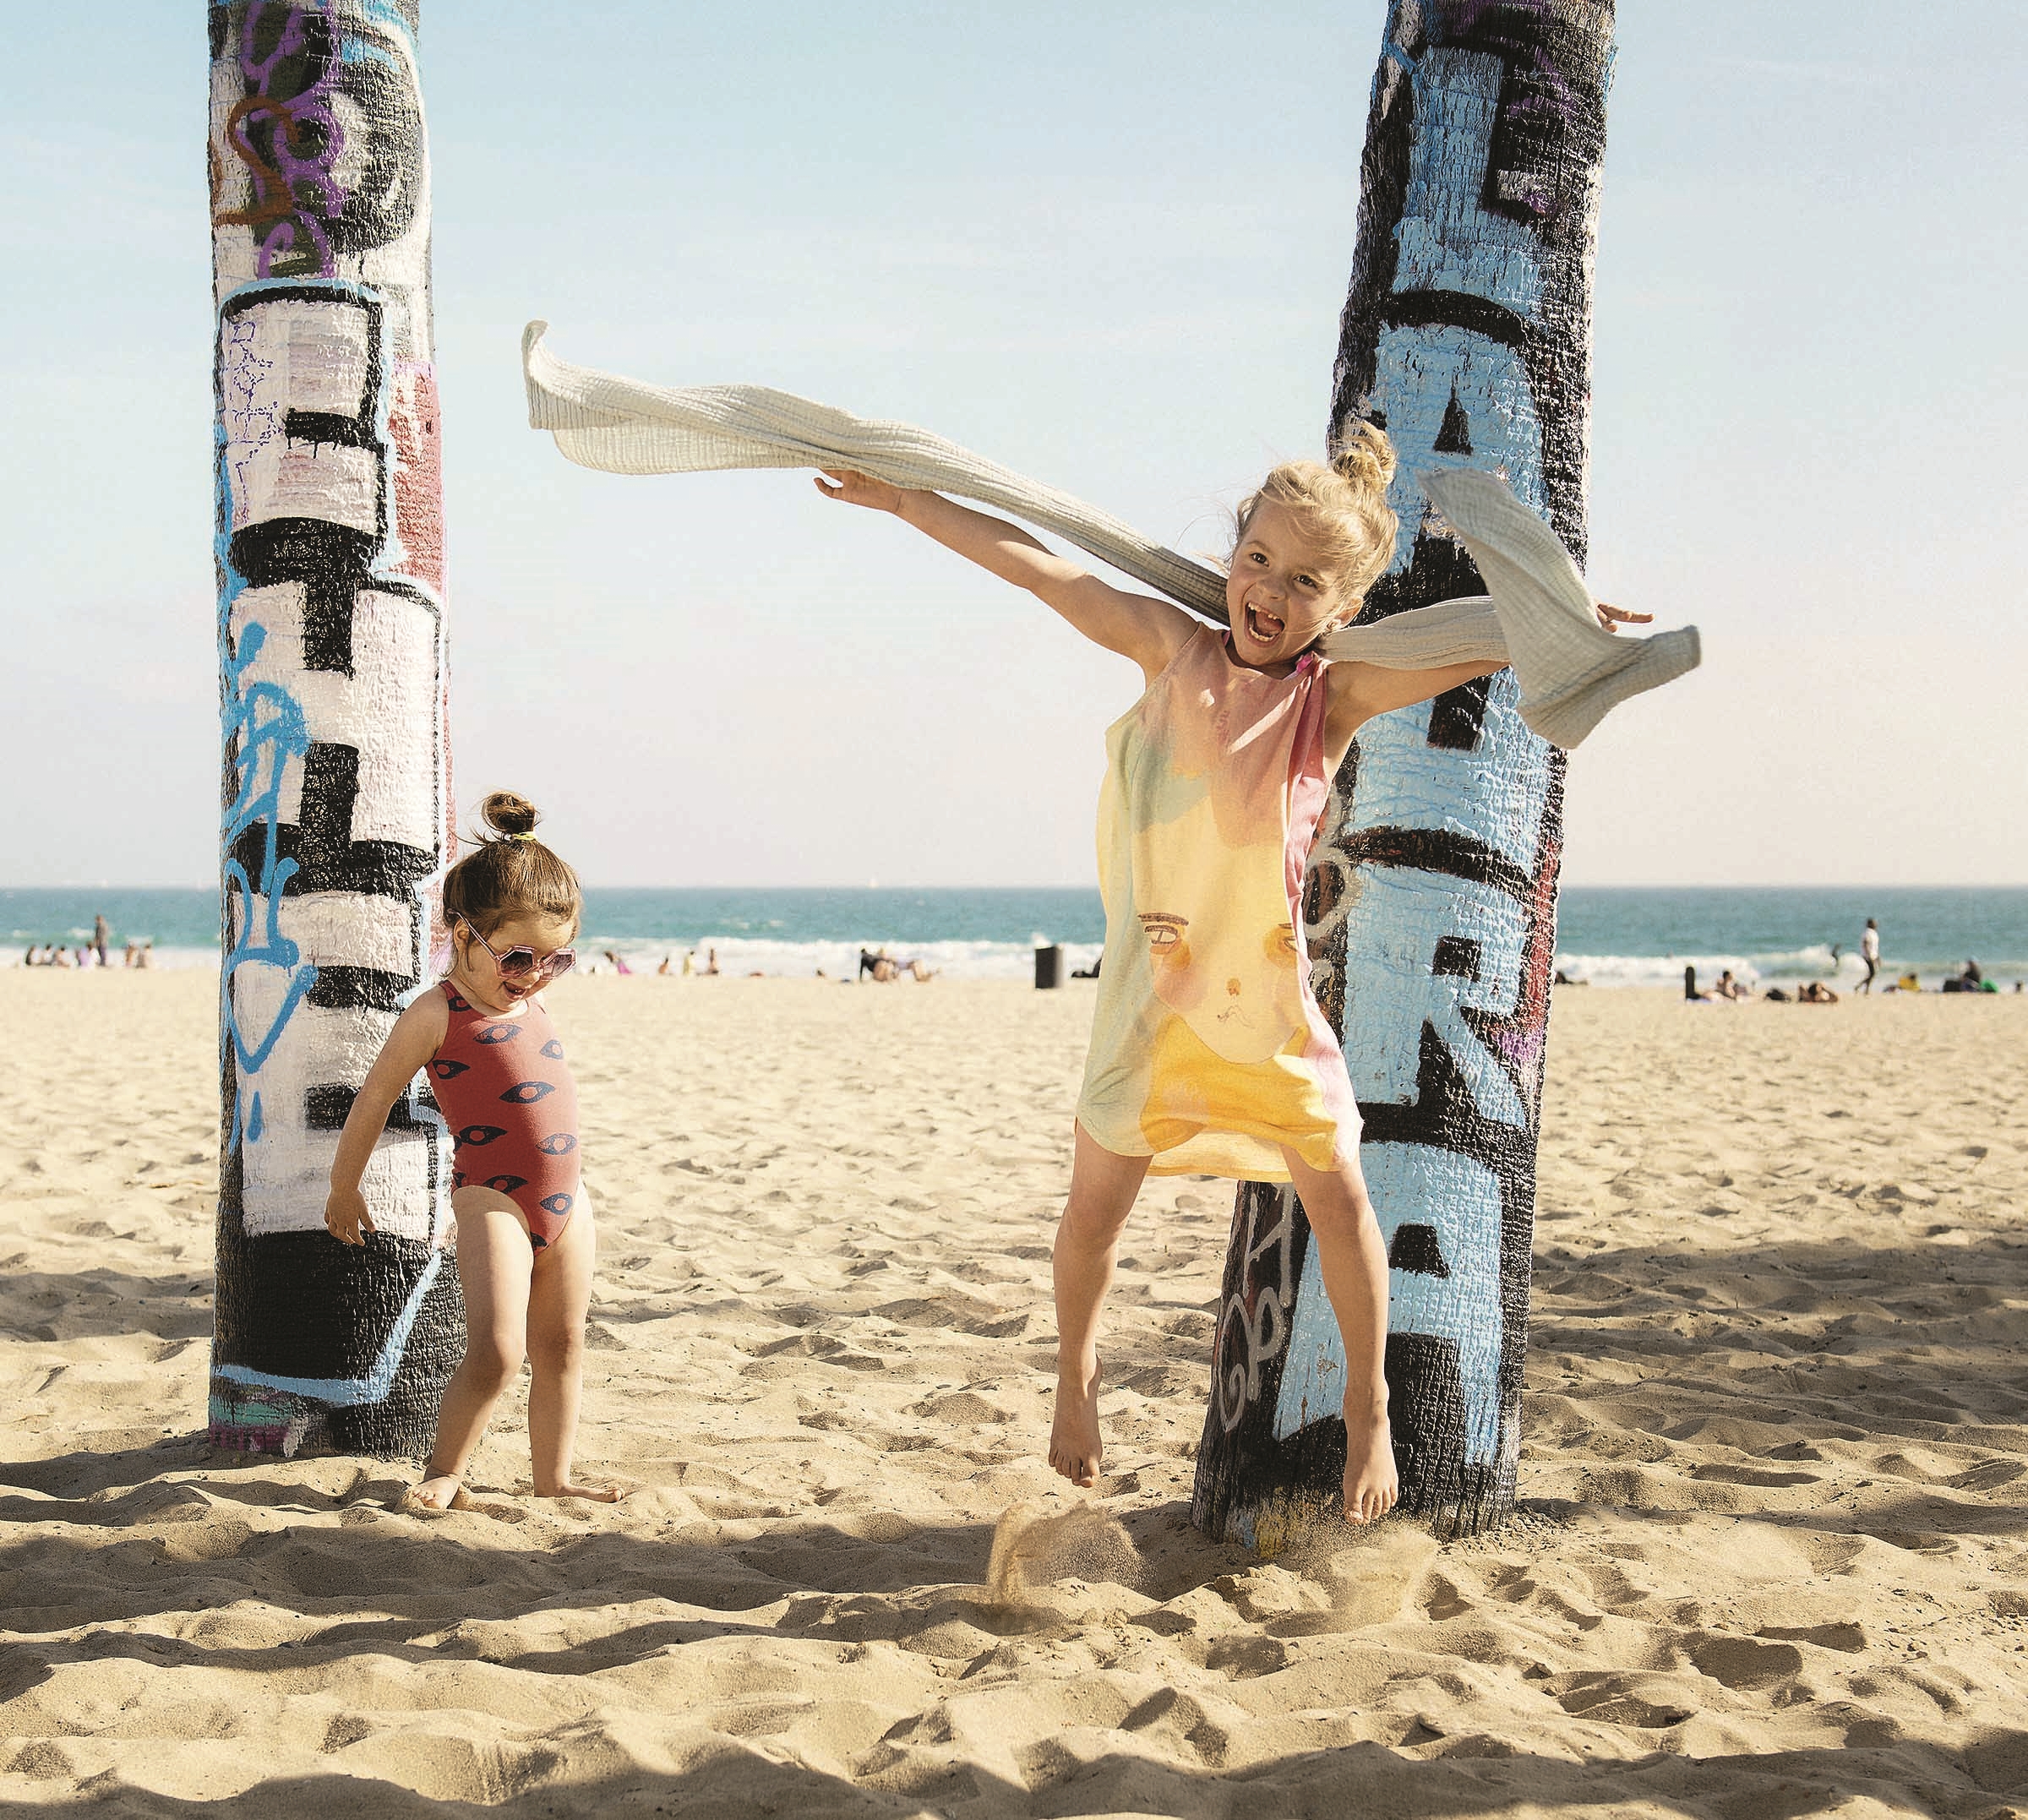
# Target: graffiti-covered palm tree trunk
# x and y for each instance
(1430, 905)
(330, 630)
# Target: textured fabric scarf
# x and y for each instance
(1539, 616)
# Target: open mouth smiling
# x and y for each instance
(1262, 627)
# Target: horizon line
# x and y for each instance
(1674, 884)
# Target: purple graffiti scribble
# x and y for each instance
(296, 198)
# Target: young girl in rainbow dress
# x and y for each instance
(523, 1223)
(1209, 1055)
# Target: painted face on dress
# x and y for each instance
(1282, 593)
(1220, 945)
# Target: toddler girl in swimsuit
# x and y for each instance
(1209, 1055)
(523, 1224)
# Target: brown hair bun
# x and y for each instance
(509, 873)
(507, 815)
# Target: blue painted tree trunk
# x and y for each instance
(1431, 903)
(329, 543)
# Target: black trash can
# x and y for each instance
(1048, 966)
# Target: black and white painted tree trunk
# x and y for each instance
(1431, 902)
(336, 802)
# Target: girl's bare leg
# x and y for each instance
(1354, 1267)
(494, 1268)
(557, 1300)
(1102, 1187)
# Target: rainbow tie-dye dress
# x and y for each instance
(1209, 1053)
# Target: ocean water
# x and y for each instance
(1640, 936)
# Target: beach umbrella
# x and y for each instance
(337, 826)
(1431, 900)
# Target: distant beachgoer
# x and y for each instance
(101, 937)
(1970, 979)
(1690, 991)
(523, 1221)
(876, 961)
(620, 965)
(663, 970)
(1729, 988)
(146, 956)
(1777, 994)
(1869, 953)
(689, 962)
(1209, 1054)
(710, 963)
(1815, 992)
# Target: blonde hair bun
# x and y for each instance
(1365, 458)
(507, 815)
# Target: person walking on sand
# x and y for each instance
(1869, 953)
(521, 1219)
(102, 938)
(1209, 1055)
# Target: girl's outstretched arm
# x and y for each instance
(1359, 691)
(418, 1035)
(1139, 626)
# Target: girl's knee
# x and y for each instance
(491, 1361)
(552, 1353)
(1091, 1221)
(1339, 1203)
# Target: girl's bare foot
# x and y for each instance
(1372, 1484)
(596, 1494)
(434, 1498)
(1075, 1449)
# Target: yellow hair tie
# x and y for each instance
(520, 837)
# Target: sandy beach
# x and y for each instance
(1770, 1560)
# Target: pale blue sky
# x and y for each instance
(1107, 250)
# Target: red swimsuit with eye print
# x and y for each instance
(505, 1092)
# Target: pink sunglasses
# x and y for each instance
(518, 962)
